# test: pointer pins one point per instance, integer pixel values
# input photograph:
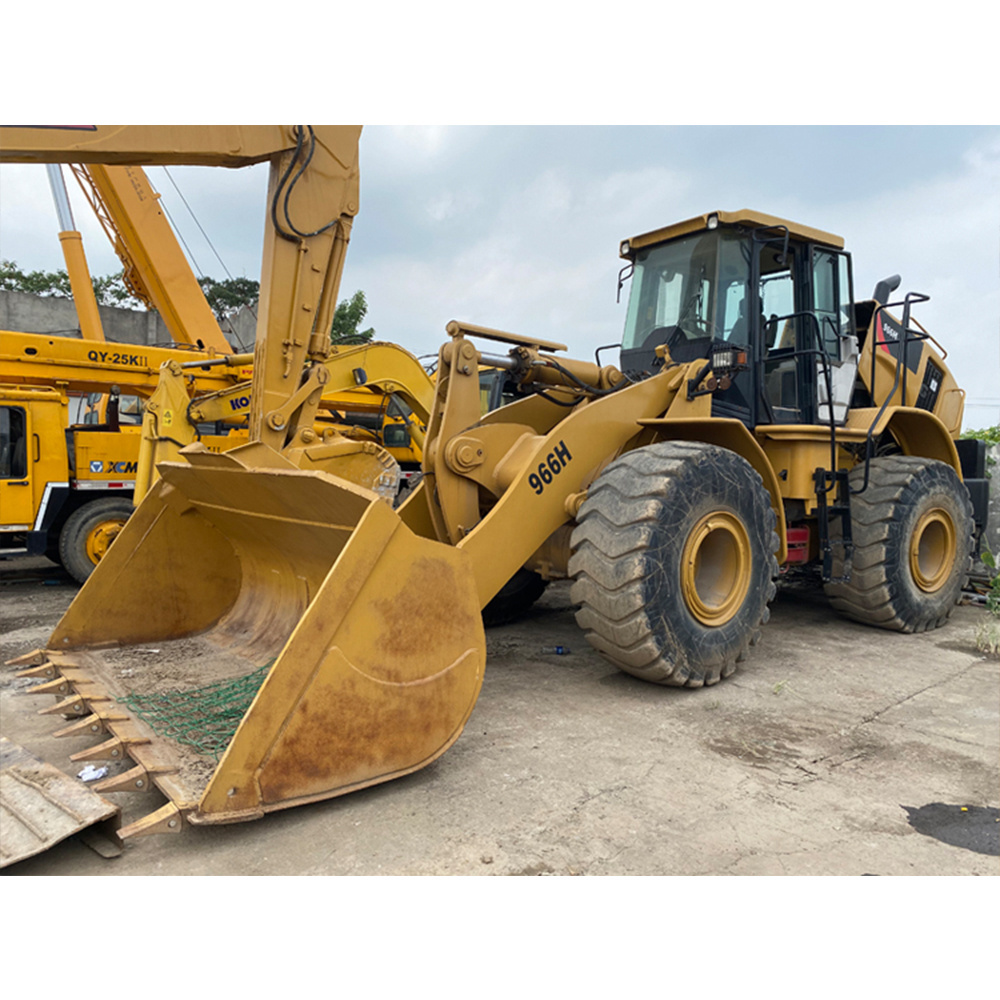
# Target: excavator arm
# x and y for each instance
(313, 196)
(358, 378)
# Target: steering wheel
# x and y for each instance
(669, 335)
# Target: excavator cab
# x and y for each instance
(768, 303)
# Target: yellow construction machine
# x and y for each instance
(71, 499)
(376, 394)
(760, 419)
(155, 270)
(70, 408)
(70, 414)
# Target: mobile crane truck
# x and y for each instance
(760, 418)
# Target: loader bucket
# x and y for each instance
(357, 644)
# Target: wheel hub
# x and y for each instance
(99, 540)
(932, 550)
(715, 568)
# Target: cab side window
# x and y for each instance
(831, 299)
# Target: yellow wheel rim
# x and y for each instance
(715, 568)
(932, 550)
(100, 538)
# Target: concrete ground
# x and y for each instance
(835, 750)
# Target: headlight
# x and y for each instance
(729, 359)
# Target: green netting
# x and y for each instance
(204, 718)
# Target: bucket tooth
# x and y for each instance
(166, 819)
(92, 725)
(136, 780)
(58, 686)
(46, 670)
(113, 749)
(74, 705)
(36, 657)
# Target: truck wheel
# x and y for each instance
(88, 533)
(912, 530)
(674, 562)
(516, 596)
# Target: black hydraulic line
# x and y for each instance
(558, 402)
(292, 233)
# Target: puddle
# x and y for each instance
(974, 828)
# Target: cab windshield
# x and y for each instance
(691, 289)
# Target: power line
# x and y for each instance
(200, 228)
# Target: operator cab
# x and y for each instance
(767, 300)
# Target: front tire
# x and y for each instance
(517, 595)
(88, 533)
(674, 562)
(912, 530)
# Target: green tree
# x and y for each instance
(13, 279)
(991, 435)
(110, 290)
(346, 320)
(229, 295)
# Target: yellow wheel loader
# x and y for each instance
(312, 640)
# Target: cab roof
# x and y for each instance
(743, 217)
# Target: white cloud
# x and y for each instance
(943, 237)
(519, 229)
(420, 141)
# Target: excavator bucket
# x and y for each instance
(262, 637)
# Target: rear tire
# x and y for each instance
(674, 562)
(912, 530)
(89, 532)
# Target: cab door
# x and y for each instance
(837, 366)
(16, 504)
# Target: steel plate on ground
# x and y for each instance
(40, 806)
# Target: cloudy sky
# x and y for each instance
(518, 227)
